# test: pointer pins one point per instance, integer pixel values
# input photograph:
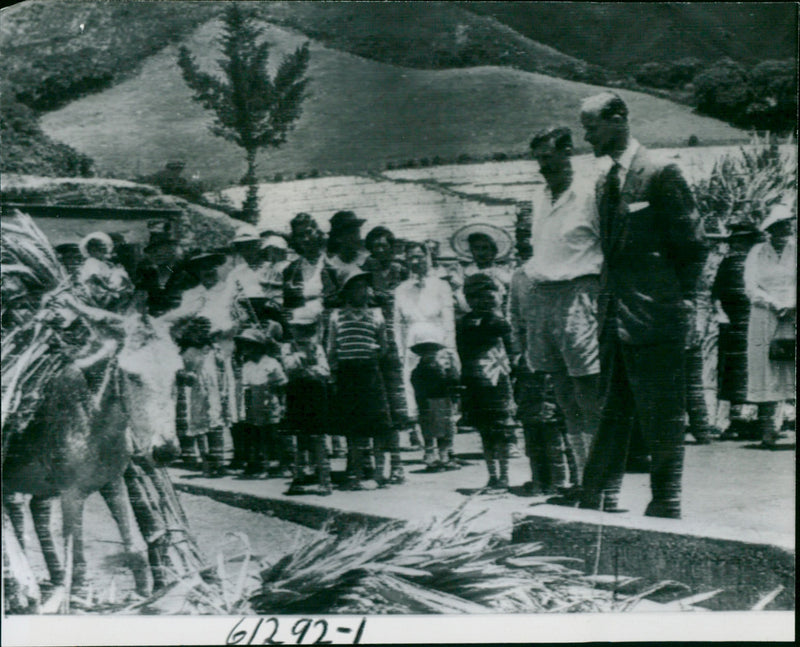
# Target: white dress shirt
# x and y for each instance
(565, 235)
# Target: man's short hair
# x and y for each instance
(561, 136)
(605, 105)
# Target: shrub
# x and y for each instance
(723, 90)
(26, 149)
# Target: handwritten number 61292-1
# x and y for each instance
(304, 631)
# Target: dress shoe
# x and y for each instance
(664, 509)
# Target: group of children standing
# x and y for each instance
(331, 372)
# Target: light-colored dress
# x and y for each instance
(770, 282)
(428, 300)
(218, 305)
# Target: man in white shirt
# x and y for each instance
(565, 269)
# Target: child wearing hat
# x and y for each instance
(263, 381)
(483, 341)
(436, 382)
(357, 352)
(199, 418)
(307, 397)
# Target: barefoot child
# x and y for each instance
(436, 382)
(357, 352)
(307, 397)
(263, 383)
(483, 340)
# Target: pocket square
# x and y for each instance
(637, 206)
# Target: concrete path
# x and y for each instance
(732, 490)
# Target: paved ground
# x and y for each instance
(732, 490)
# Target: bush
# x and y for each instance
(61, 79)
(26, 149)
(723, 90)
(764, 98)
(464, 158)
(668, 76)
(773, 84)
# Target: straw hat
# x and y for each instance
(779, 212)
(502, 240)
(352, 275)
(278, 242)
(99, 236)
(244, 235)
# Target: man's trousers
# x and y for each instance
(646, 382)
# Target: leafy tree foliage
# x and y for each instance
(774, 88)
(723, 90)
(668, 76)
(251, 109)
(764, 98)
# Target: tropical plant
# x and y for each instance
(743, 186)
(251, 109)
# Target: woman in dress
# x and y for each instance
(386, 274)
(733, 311)
(770, 282)
(421, 298)
(308, 280)
(215, 300)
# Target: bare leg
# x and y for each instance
(118, 502)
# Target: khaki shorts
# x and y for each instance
(562, 331)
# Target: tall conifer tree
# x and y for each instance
(250, 109)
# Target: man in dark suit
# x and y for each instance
(653, 249)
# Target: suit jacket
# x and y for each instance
(653, 249)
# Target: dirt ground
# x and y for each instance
(212, 522)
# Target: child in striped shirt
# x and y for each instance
(357, 353)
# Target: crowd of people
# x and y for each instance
(581, 337)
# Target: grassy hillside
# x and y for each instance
(425, 35)
(617, 35)
(361, 115)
